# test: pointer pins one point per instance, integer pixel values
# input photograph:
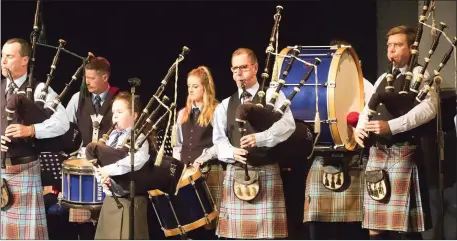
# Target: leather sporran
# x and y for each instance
(334, 177)
(7, 198)
(378, 185)
(246, 190)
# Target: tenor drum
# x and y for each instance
(339, 91)
(80, 187)
(191, 208)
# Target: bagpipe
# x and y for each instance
(400, 103)
(160, 172)
(261, 115)
(22, 108)
(27, 111)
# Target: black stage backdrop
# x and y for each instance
(143, 38)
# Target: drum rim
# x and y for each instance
(191, 226)
(72, 169)
(331, 110)
(186, 181)
(76, 205)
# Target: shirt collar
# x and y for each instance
(19, 81)
(102, 95)
(253, 90)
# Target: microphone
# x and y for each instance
(134, 82)
(352, 119)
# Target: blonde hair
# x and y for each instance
(209, 97)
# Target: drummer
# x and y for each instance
(114, 222)
(339, 210)
(195, 133)
(86, 107)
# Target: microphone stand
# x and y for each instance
(133, 82)
(440, 140)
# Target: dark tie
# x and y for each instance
(98, 103)
(395, 72)
(116, 138)
(195, 114)
(10, 91)
(245, 96)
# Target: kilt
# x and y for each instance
(262, 218)
(324, 205)
(214, 179)
(26, 217)
(405, 211)
(78, 215)
(114, 222)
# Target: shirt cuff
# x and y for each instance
(39, 128)
(112, 169)
(261, 138)
(393, 126)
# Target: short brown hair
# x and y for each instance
(247, 51)
(26, 50)
(402, 29)
(99, 64)
(339, 42)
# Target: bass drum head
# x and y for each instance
(339, 91)
(344, 94)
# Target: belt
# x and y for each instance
(21, 160)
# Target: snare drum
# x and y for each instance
(192, 207)
(80, 187)
(339, 91)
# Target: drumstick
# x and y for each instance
(110, 188)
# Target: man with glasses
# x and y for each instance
(263, 217)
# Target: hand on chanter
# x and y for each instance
(359, 135)
(238, 155)
(4, 140)
(18, 130)
(379, 127)
(248, 141)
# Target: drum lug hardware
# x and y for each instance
(207, 219)
(331, 84)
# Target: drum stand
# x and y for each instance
(133, 82)
(440, 140)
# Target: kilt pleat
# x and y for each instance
(26, 217)
(324, 205)
(404, 211)
(262, 218)
(214, 179)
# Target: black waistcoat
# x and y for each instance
(383, 114)
(86, 109)
(18, 147)
(257, 156)
(195, 139)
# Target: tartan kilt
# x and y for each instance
(405, 211)
(214, 179)
(79, 215)
(262, 218)
(324, 205)
(26, 217)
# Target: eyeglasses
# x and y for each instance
(243, 68)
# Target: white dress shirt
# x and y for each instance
(419, 115)
(123, 166)
(277, 133)
(58, 124)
